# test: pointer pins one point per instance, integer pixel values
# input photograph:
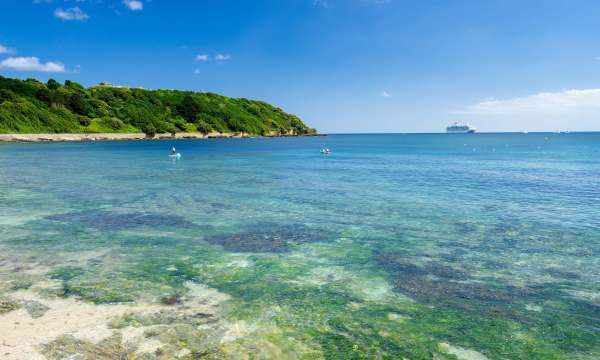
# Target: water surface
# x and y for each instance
(394, 246)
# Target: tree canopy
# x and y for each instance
(31, 106)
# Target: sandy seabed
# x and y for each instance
(24, 336)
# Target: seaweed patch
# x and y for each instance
(69, 347)
(8, 305)
(269, 238)
(34, 308)
(440, 285)
(106, 220)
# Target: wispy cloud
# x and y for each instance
(6, 50)
(222, 57)
(574, 109)
(385, 94)
(133, 5)
(202, 57)
(31, 64)
(74, 13)
(545, 103)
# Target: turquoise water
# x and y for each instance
(394, 246)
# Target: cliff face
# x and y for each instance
(30, 106)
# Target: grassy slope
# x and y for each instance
(30, 106)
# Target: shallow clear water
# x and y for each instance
(415, 246)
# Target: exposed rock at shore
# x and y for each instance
(129, 136)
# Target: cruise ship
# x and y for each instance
(457, 128)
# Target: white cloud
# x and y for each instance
(549, 103)
(575, 110)
(385, 94)
(30, 64)
(6, 50)
(202, 57)
(133, 5)
(74, 13)
(221, 57)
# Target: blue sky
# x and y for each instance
(341, 65)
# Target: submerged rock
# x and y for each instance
(34, 308)
(172, 299)
(396, 262)
(248, 242)
(8, 305)
(164, 317)
(106, 220)
(271, 238)
(69, 347)
(21, 284)
(462, 353)
(440, 285)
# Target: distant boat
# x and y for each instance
(457, 128)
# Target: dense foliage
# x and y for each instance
(30, 106)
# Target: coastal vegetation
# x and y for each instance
(31, 106)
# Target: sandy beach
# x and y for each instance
(122, 136)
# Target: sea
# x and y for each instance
(393, 246)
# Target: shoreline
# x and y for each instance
(68, 137)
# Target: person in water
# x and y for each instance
(173, 151)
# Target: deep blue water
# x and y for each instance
(394, 245)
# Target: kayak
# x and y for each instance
(175, 156)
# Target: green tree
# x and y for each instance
(189, 108)
(79, 104)
(202, 126)
(52, 84)
(33, 106)
(149, 130)
(7, 95)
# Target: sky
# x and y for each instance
(343, 66)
